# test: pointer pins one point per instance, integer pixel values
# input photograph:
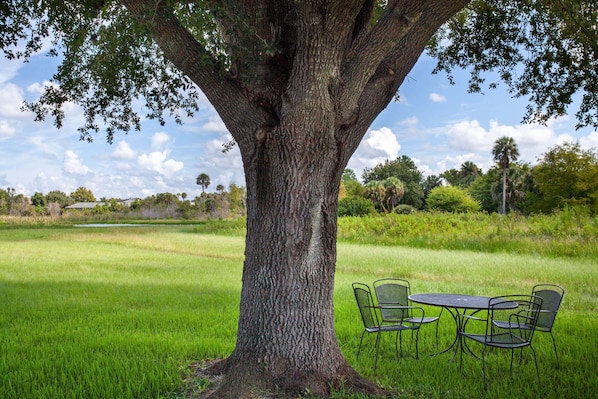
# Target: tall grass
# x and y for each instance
(571, 232)
(121, 312)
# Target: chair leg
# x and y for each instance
(400, 342)
(483, 363)
(535, 362)
(417, 343)
(555, 351)
(377, 350)
(360, 342)
(512, 356)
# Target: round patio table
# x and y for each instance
(458, 305)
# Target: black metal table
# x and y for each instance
(457, 305)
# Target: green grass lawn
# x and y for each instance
(121, 312)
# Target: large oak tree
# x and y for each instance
(297, 83)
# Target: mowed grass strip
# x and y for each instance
(121, 312)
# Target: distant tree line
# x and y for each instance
(222, 204)
(564, 176)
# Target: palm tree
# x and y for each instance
(468, 173)
(505, 150)
(395, 190)
(204, 181)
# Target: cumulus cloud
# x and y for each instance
(11, 98)
(6, 128)
(37, 88)
(531, 139)
(72, 164)
(377, 146)
(8, 69)
(123, 151)
(383, 141)
(159, 140)
(223, 168)
(590, 141)
(157, 162)
(437, 98)
(215, 124)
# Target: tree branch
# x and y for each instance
(401, 35)
(183, 50)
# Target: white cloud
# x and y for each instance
(410, 122)
(6, 128)
(437, 98)
(123, 151)
(377, 146)
(532, 139)
(215, 124)
(223, 168)
(590, 141)
(8, 69)
(469, 135)
(157, 162)
(11, 98)
(37, 88)
(159, 140)
(385, 141)
(72, 164)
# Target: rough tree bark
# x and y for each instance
(296, 127)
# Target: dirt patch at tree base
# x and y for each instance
(202, 379)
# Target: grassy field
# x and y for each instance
(121, 313)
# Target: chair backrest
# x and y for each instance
(519, 312)
(393, 291)
(551, 295)
(366, 305)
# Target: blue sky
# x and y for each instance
(438, 125)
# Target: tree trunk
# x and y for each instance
(286, 326)
(286, 338)
(504, 191)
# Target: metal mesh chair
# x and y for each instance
(396, 291)
(552, 296)
(510, 324)
(372, 321)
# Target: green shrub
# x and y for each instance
(355, 206)
(451, 199)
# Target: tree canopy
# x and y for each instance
(568, 175)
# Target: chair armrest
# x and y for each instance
(410, 311)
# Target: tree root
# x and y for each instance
(218, 379)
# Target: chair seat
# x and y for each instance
(506, 325)
(421, 320)
(391, 327)
(506, 340)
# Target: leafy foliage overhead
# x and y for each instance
(544, 50)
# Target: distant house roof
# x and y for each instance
(84, 205)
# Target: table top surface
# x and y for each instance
(458, 301)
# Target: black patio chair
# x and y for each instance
(396, 291)
(552, 296)
(510, 324)
(372, 321)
